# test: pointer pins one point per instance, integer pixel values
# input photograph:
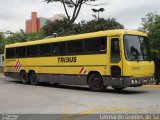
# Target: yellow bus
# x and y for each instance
(117, 58)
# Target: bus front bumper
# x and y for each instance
(123, 82)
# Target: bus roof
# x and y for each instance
(79, 36)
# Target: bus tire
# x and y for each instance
(33, 78)
(157, 81)
(24, 77)
(95, 82)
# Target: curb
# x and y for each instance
(151, 86)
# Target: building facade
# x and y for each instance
(35, 23)
(57, 17)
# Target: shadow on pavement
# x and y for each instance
(126, 91)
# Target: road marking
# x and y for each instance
(151, 86)
(66, 109)
(89, 111)
(65, 112)
(103, 110)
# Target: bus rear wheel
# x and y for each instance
(33, 78)
(24, 77)
(95, 82)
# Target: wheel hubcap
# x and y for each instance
(97, 82)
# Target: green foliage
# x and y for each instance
(100, 24)
(1, 36)
(19, 37)
(64, 27)
(23, 37)
(1, 42)
(151, 25)
(16, 37)
(35, 36)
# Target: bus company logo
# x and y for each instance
(18, 66)
(83, 71)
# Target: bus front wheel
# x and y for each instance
(33, 78)
(24, 77)
(95, 82)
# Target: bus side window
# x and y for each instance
(115, 50)
(103, 44)
(10, 53)
(45, 49)
(58, 48)
(55, 50)
(32, 50)
(20, 52)
(75, 47)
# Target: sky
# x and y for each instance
(13, 13)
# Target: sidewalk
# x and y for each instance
(151, 86)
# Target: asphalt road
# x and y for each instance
(17, 98)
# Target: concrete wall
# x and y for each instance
(35, 23)
(1, 62)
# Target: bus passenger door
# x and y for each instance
(115, 57)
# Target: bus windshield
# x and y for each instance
(136, 48)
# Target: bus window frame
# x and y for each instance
(125, 47)
(66, 48)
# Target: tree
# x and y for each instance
(35, 36)
(1, 36)
(75, 4)
(1, 42)
(23, 37)
(20, 36)
(101, 24)
(151, 25)
(63, 27)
